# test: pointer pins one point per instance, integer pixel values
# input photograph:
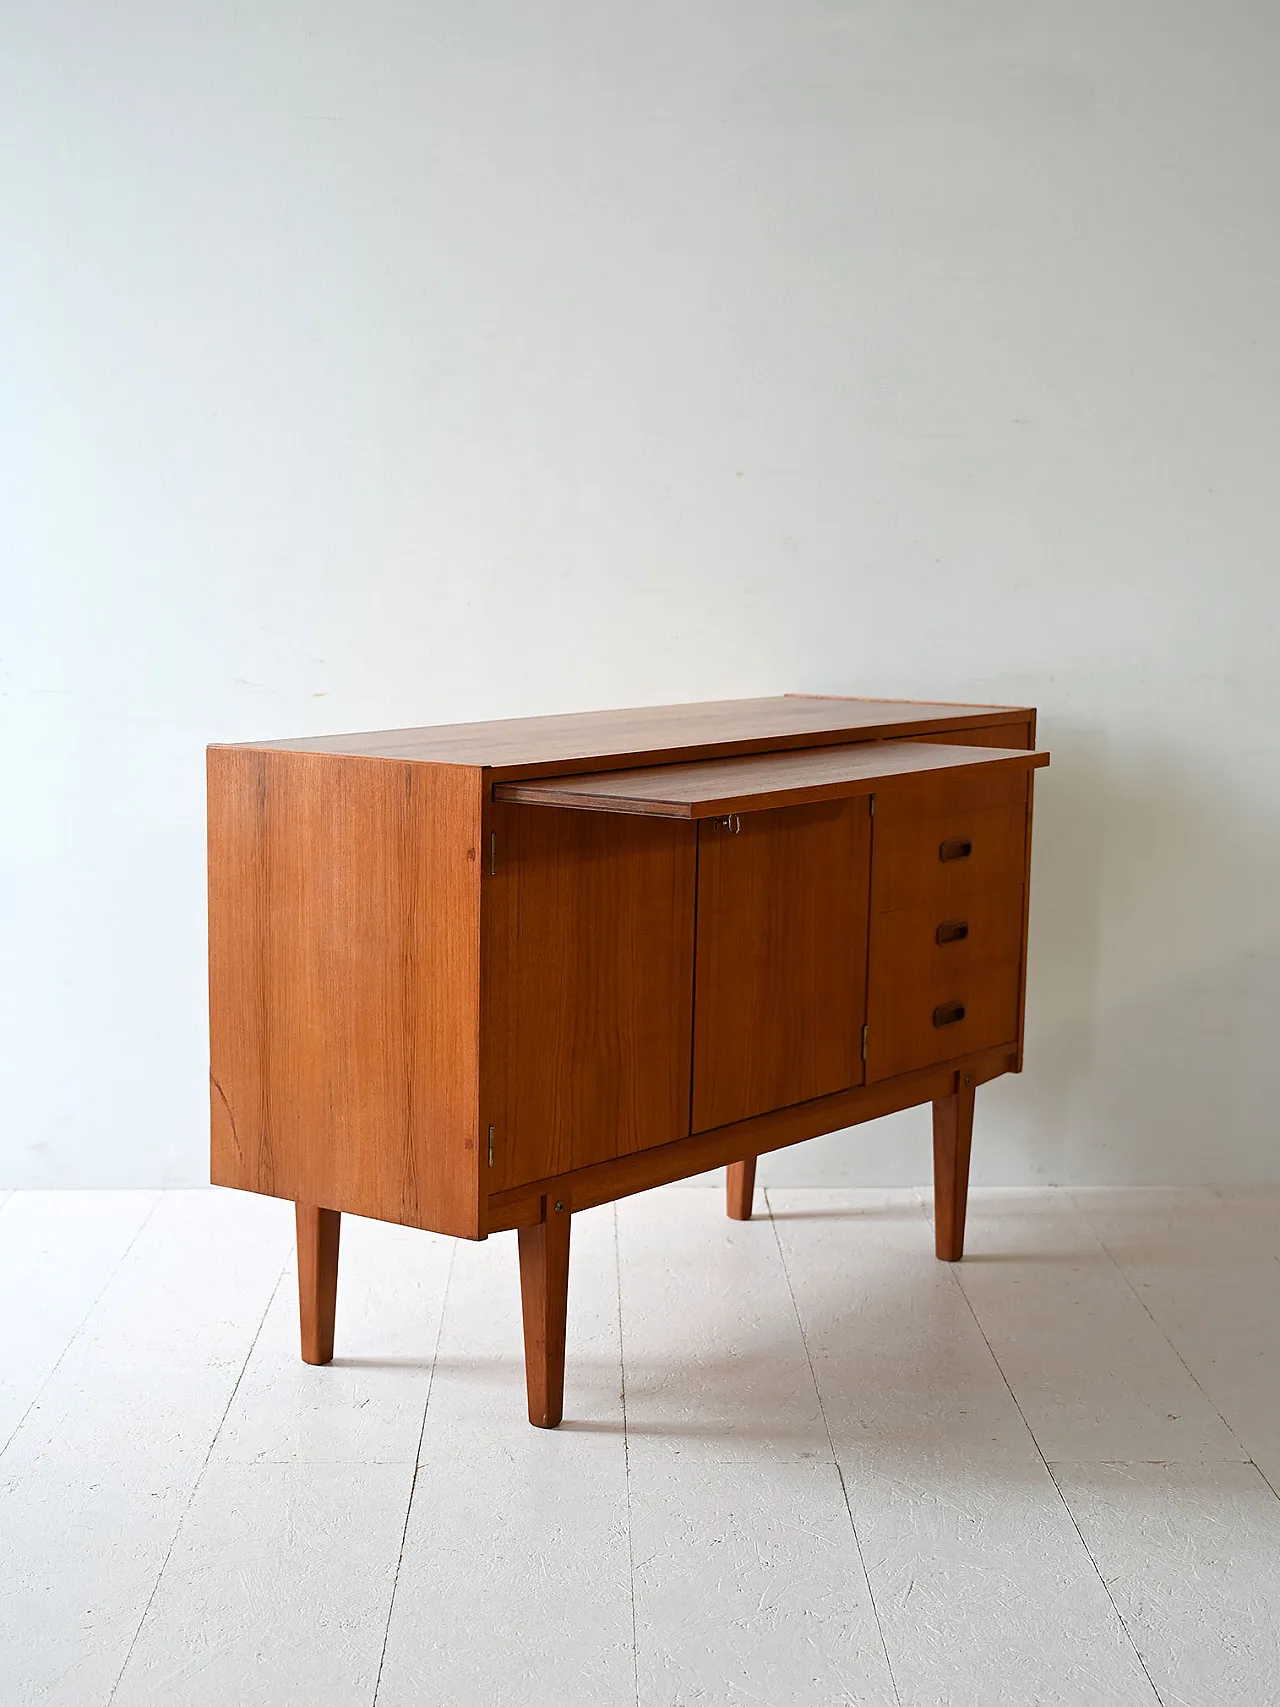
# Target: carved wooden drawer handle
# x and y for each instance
(949, 1013)
(953, 930)
(959, 847)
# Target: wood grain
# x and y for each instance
(319, 1232)
(952, 1141)
(607, 1181)
(942, 792)
(715, 787)
(781, 963)
(544, 1302)
(588, 988)
(902, 1033)
(908, 870)
(540, 746)
(739, 1187)
(344, 984)
(996, 735)
(905, 946)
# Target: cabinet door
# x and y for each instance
(588, 927)
(780, 981)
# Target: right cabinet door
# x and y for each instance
(780, 969)
(947, 888)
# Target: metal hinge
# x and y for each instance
(491, 1146)
(493, 861)
(864, 1056)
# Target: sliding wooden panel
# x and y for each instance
(588, 981)
(769, 781)
(781, 967)
(344, 983)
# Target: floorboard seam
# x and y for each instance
(1071, 1516)
(1106, 1249)
(831, 1446)
(195, 1485)
(413, 1482)
(1111, 1257)
(79, 1328)
(626, 1465)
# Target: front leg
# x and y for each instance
(544, 1299)
(952, 1139)
(318, 1231)
(740, 1185)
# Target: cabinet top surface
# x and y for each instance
(529, 745)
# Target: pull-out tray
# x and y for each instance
(715, 787)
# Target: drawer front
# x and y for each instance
(945, 941)
(911, 1025)
(944, 793)
(920, 860)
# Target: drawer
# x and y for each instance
(938, 1017)
(943, 792)
(919, 860)
(943, 942)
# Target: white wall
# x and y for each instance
(383, 364)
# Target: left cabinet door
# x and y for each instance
(783, 898)
(587, 988)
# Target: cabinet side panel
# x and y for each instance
(344, 994)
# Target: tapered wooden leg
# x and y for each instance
(739, 1188)
(952, 1138)
(318, 1231)
(544, 1297)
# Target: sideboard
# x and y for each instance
(475, 977)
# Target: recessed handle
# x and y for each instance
(948, 1013)
(952, 930)
(959, 847)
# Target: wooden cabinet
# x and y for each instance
(476, 977)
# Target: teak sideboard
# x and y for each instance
(475, 977)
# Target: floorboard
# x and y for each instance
(802, 1461)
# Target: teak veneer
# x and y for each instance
(476, 977)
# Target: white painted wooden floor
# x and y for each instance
(803, 1463)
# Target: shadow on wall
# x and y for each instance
(1155, 950)
(1152, 1013)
